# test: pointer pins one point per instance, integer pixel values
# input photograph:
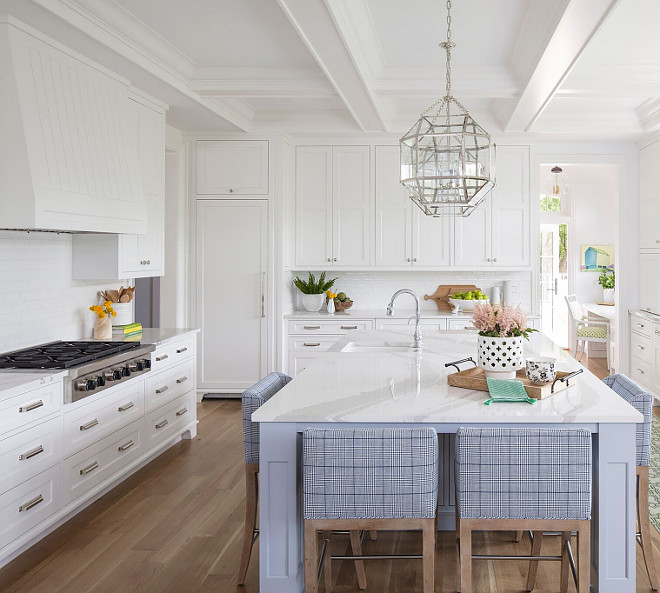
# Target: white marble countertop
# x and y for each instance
(399, 313)
(156, 335)
(407, 386)
(17, 381)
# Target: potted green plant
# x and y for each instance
(607, 280)
(313, 290)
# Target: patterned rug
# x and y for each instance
(654, 474)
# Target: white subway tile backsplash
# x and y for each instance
(39, 300)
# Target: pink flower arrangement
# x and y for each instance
(500, 321)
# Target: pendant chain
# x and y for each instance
(448, 47)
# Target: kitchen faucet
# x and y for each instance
(417, 338)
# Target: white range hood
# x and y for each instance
(66, 154)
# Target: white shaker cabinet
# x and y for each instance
(649, 274)
(649, 197)
(333, 206)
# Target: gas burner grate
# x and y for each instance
(62, 355)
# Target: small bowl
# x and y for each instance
(541, 369)
(343, 305)
(466, 305)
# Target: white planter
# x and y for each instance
(608, 295)
(501, 357)
(124, 313)
(312, 302)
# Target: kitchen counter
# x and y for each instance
(399, 313)
(18, 381)
(156, 335)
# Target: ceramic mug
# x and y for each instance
(540, 370)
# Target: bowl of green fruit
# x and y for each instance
(342, 302)
(466, 301)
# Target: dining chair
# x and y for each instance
(511, 479)
(587, 330)
(641, 400)
(369, 478)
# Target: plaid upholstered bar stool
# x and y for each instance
(252, 399)
(642, 401)
(369, 478)
(524, 479)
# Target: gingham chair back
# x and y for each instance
(370, 473)
(526, 473)
(641, 400)
(253, 398)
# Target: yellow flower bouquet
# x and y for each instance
(102, 323)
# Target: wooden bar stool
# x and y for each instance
(642, 401)
(524, 479)
(369, 478)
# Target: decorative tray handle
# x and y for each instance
(457, 362)
(565, 379)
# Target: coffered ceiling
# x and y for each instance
(545, 67)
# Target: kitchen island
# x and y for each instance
(374, 379)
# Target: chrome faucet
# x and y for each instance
(417, 338)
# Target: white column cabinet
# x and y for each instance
(333, 206)
(649, 197)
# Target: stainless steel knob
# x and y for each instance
(414, 259)
(329, 259)
(409, 259)
(335, 259)
(109, 375)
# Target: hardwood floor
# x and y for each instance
(175, 527)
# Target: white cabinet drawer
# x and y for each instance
(640, 325)
(93, 465)
(169, 384)
(102, 416)
(311, 344)
(24, 409)
(30, 452)
(641, 348)
(329, 327)
(463, 324)
(166, 420)
(172, 353)
(641, 372)
(29, 503)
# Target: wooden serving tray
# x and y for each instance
(441, 296)
(475, 379)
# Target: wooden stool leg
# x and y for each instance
(645, 524)
(565, 562)
(356, 546)
(251, 472)
(373, 535)
(518, 536)
(534, 564)
(584, 558)
(429, 555)
(311, 557)
(466, 557)
(327, 562)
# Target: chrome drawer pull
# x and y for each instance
(31, 407)
(640, 325)
(181, 350)
(182, 379)
(162, 423)
(657, 331)
(163, 357)
(182, 412)
(31, 503)
(125, 446)
(31, 453)
(640, 371)
(162, 389)
(311, 344)
(125, 407)
(640, 347)
(311, 327)
(349, 327)
(89, 468)
(89, 424)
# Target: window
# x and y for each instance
(550, 203)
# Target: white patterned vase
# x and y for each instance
(608, 295)
(500, 358)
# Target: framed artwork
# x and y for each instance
(596, 258)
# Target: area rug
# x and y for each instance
(654, 474)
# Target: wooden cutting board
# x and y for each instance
(475, 379)
(441, 295)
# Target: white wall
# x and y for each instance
(39, 300)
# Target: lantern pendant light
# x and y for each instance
(447, 159)
(557, 171)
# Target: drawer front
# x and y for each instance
(400, 323)
(93, 465)
(640, 325)
(24, 409)
(30, 452)
(333, 327)
(100, 417)
(462, 324)
(169, 384)
(641, 347)
(168, 419)
(311, 344)
(172, 353)
(640, 372)
(29, 503)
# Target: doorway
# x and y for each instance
(553, 268)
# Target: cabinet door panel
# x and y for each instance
(649, 196)
(649, 273)
(431, 240)
(472, 236)
(313, 205)
(352, 211)
(393, 211)
(232, 167)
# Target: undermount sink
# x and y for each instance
(357, 347)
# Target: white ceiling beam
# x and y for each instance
(308, 89)
(578, 24)
(315, 25)
(649, 115)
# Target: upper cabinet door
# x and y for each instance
(649, 197)
(510, 208)
(232, 167)
(472, 237)
(393, 211)
(313, 205)
(431, 240)
(352, 211)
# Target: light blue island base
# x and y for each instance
(390, 389)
